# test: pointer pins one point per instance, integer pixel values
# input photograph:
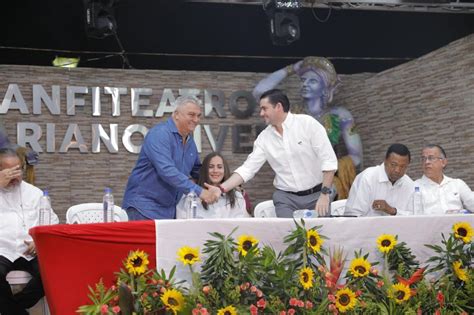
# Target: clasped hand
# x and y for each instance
(210, 194)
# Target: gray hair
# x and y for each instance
(184, 99)
(7, 152)
(440, 148)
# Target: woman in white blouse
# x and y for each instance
(214, 171)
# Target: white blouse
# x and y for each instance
(220, 209)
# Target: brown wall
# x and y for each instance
(427, 100)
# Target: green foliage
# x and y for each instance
(220, 262)
(270, 282)
(99, 296)
(402, 261)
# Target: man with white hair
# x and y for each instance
(19, 210)
(167, 162)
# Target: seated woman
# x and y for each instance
(214, 171)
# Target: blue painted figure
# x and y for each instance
(319, 81)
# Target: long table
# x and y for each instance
(75, 256)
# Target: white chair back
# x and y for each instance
(92, 213)
(17, 279)
(265, 209)
(338, 207)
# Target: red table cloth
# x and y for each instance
(73, 257)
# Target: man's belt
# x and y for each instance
(310, 191)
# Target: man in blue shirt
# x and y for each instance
(167, 161)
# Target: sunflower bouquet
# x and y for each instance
(239, 275)
(138, 290)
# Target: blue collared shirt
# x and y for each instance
(162, 172)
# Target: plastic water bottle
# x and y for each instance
(108, 202)
(417, 202)
(191, 210)
(305, 214)
(45, 209)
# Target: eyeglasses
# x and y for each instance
(430, 158)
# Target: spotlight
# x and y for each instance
(100, 20)
(284, 24)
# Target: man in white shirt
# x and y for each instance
(19, 210)
(439, 192)
(299, 152)
(384, 189)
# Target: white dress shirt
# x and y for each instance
(19, 210)
(298, 157)
(450, 194)
(220, 209)
(373, 184)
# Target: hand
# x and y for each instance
(382, 205)
(211, 194)
(322, 205)
(297, 65)
(8, 174)
(31, 250)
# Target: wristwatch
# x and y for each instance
(326, 190)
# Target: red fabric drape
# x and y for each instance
(73, 257)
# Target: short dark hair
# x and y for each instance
(277, 96)
(399, 149)
(440, 148)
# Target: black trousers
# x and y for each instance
(17, 304)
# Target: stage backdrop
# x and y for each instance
(427, 100)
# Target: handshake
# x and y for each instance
(210, 194)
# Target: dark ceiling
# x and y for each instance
(176, 35)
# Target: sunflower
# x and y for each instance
(306, 277)
(173, 300)
(399, 292)
(386, 242)
(345, 300)
(464, 231)
(314, 240)
(188, 255)
(137, 262)
(229, 310)
(360, 267)
(245, 243)
(460, 272)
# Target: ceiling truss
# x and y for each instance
(432, 6)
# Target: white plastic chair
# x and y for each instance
(92, 213)
(338, 207)
(17, 280)
(265, 209)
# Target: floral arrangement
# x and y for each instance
(241, 276)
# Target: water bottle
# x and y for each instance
(191, 210)
(417, 202)
(108, 202)
(45, 209)
(305, 214)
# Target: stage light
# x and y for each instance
(64, 62)
(100, 20)
(284, 24)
